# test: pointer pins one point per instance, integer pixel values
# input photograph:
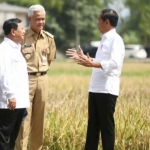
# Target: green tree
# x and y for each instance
(71, 21)
(139, 20)
(74, 23)
(22, 2)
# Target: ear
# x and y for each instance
(13, 32)
(107, 21)
(29, 19)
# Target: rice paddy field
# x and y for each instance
(66, 119)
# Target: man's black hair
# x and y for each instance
(111, 15)
(10, 24)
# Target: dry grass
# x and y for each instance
(66, 118)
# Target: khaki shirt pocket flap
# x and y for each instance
(47, 49)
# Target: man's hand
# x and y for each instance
(11, 104)
(81, 59)
(85, 60)
(74, 54)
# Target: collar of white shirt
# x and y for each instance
(12, 43)
(109, 34)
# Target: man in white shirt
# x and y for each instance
(105, 81)
(14, 89)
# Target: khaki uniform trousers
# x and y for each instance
(34, 122)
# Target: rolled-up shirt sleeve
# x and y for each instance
(114, 63)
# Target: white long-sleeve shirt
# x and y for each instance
(110, 54)
(13, 75)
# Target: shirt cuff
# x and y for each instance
(10, 95)
(101, 63)
(104, 65)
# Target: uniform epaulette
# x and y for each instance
(49, 34)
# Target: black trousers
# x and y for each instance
(101, 108)
(10, 121)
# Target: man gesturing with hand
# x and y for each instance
(105, 81)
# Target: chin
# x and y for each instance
(41, 27)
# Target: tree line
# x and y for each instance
(74, 22)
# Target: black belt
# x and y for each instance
(37, 73)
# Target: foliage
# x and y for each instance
(131, 37)
(22, 2)
(69, 19)
(75, 22)
(139, 19)
(137, 23)
(81, 15)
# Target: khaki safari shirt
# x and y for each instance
(38, 50)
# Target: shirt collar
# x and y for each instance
(12, 43)
(109, 34)
(31, 32)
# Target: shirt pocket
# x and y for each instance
(27, 52)
(46, 50)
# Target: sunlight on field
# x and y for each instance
(66, 120)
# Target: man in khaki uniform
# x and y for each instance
(38, 48)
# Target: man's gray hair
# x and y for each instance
(33, 8)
